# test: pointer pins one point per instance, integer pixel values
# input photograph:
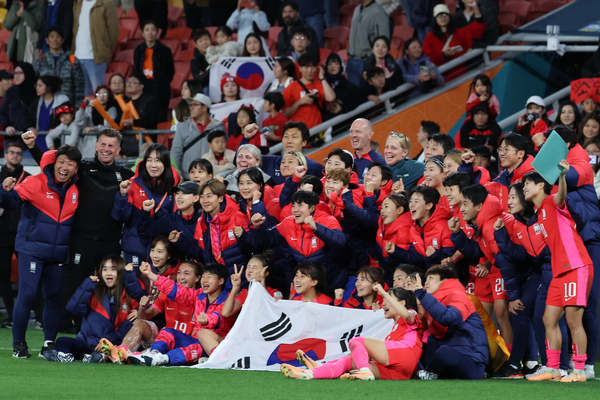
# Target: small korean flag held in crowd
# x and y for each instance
(268, 333)
(252, 74)
(222, 111)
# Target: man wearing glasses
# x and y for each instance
(300, 42)
(190, 140)
(290, 15)
(9, 221)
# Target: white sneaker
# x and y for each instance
(589, 372)
(136, 359)
(156, 358)
(327, 136)
(564, 372)
(541, 370)
(202, 360)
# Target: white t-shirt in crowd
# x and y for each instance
(83, 40)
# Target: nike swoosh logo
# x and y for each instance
(293, 239)
(93, 170)
(49, 192)
(170, 308)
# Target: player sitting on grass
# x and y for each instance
(396, 357)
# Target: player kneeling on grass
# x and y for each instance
(210, 325)
(258, 270)
(396, 357)
(179, 320)
(105, 306)
(572, 275)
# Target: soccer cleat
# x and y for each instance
(136, 359)
(124, 353)
(20, 350)
(109, 350)
(577, 375)
(428, 376)
(155, 358)
(294, 372)
(589, 372)
(305, 360)
(58, 356)
(7, 323)
(545, 374)
(507, 371)
(48, 345)
(360, 375)
(95, 357)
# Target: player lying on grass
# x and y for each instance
(396, 357)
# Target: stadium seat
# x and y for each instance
(176, 83)
(167, 138)
(395, 53)
(399, 18)
(133, 43)
(123, 38)
(272, 46)
(132, 14)
(343, 55)
(172, 44)
(451, 5)
(126, 55)
(174, 14)
(403, 32)
(274, 32)
(397, 43)
(182, 67)
(324, 53)
(520, 7)
(120, 67)
(6, 65)
(345, 14)
(173, 102)
(186, 55)
(181, 34)
(545, 5)
(213, 33)
(4, 56)
(119, 11)
(508, 18)
(2, 47)
(340, 33)
(131, 24)
(5, 36)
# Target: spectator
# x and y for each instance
(361, 132)
(445, 42)
(57, 62)
(40, 116)
(58, 13)
(248, 18)
(94, 50)
(590, 128)
(155, 61)
(273, 104)
(230, 90)
(368, 22)
(331, 13)
(198, 65)
(290, 15)
(568, 115)
(153, 10)
(245, 116)
(116, 83)
(535, 120)
(593, 149)
(221, 158)
(300, 42)
(480, 130)
(396, 153)
(197, 13)
(16, 101)
(313, 15)
(464, 17)
(146, 107)
(305, 98)
(247, 156)
(66, 115)
(418, 69)
(190, 137)
(125, 5)
(381, 58)
(254, 46)
(591, 69)
(420, 16)
(426, 129)
(225, 48)
(346, 93)
(374, 87)
(6, 81)
(285, 73)
(24, 20)
(9, 222)
(181, 112)
(589, 106)
(480, 92)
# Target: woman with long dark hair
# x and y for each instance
(17, 99)
(151, 186)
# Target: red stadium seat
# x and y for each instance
(132, 14)
(545, 5)
(4, 56)
(131, 24)
(173, 102)
(508, 18)
(274, 32)
(176, 83)
(324, 53)
(451, 5)
(272, 46)
(133, 43)
(395, 53)
(6, 65)
(120, 67)
(403, 32)
(174, 14)
(181, 34)
(172, 44)
(5, 36)
(186, 55)
(345, 14)
(399, 18)
(339, 33)
(182, 67)
(519, 7)
(126, 55)
(119, 12)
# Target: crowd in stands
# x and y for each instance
(151, 265)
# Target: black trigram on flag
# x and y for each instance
(242, 363)
(270, 63)
(277, 329)
(227, 62)
(345, 339)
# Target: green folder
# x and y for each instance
(552, 153)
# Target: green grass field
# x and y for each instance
(38, 378)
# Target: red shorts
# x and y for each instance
(490, 288)
(571, 288)
(403, 363)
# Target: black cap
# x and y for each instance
(188, 187)
(481, 107)
(5, 74)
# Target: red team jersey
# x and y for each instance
(243, 295)
(178, 316)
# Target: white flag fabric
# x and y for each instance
(268, 333)
(222, 111)
(253, 75)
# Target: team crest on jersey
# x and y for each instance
(230, 234)
(314, 242)
(435, 243)
(536, 228)
(124, 307)
(74, 200)
(119, 178)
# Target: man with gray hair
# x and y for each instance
(361, 133)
